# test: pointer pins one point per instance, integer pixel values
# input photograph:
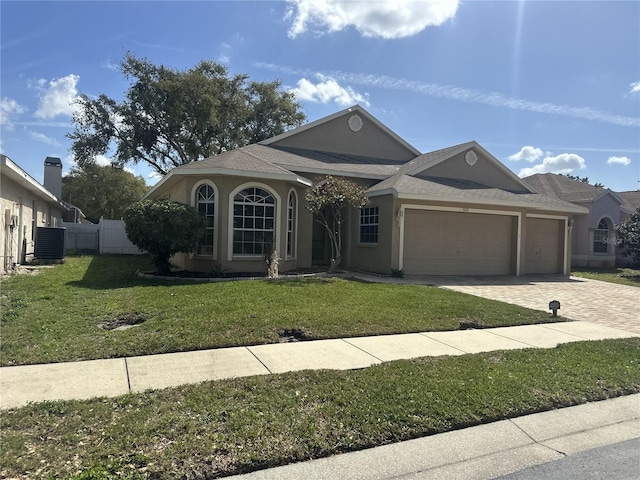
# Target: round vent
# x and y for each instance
(355, 122)
(471, 158)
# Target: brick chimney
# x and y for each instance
(53, 176)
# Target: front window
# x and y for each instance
(601, 237)
(291, 224)
(369, 225)
(254, 215)
(205, 203)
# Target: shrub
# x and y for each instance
(164, 228)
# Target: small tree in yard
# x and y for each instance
(629, 237)
(330, 200)
(163, 228)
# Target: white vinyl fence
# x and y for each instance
(107, 237)
(81, 236)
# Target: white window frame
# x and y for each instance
(376, 224)
(292, 226)
(276, 231)
(194, 203)
(600, 234)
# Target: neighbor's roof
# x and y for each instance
(566, 188)
(631, 200)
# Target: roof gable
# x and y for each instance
(352, 131)
(467, 162)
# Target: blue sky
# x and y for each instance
(545, 86)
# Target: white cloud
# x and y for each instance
(225, 53)
(635, 87)
(563, 163)
(40, 137)
(102, 160)
(326, 91)
(8, 108)
(493, 99)
(57, 97)
(380, 18)
(528, 154)
(619, 161)
(109, 65)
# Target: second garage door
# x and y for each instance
(456, 243)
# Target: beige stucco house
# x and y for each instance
(25, 205)
(455, 211)
(594, 241)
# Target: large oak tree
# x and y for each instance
(171, 117)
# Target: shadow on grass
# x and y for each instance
(120, 271)
(116, 271)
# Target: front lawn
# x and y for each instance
(56, 316)
(623, 276)
(221, 428)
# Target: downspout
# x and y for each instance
(568, 223)
(400, 218)
(20, 253)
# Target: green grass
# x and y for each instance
(623, 276)
(226, 427)
(54, 316)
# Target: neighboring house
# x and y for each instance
(25, 205)
(455, 211)
(594, 241)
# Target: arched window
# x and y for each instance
(292, 206)
(601, 237)
(205, 199)
(254, 219)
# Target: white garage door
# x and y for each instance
(544, 246)
(453, 243)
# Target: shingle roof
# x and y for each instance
(300, 160)
(631, 200)
(247, 159)
(563, 187)
(426, 160)
(466, 191)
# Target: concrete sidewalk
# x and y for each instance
(482, 452)
(112, 377)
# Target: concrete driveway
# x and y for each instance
(609, 304)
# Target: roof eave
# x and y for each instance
(17, 174)
(291, 177)
(490, 202)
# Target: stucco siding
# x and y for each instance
(374, 257)
(336, 136)
(483, 172)
(225, 186)
(27, 210)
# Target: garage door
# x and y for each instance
(544, 245)
(453, 243)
